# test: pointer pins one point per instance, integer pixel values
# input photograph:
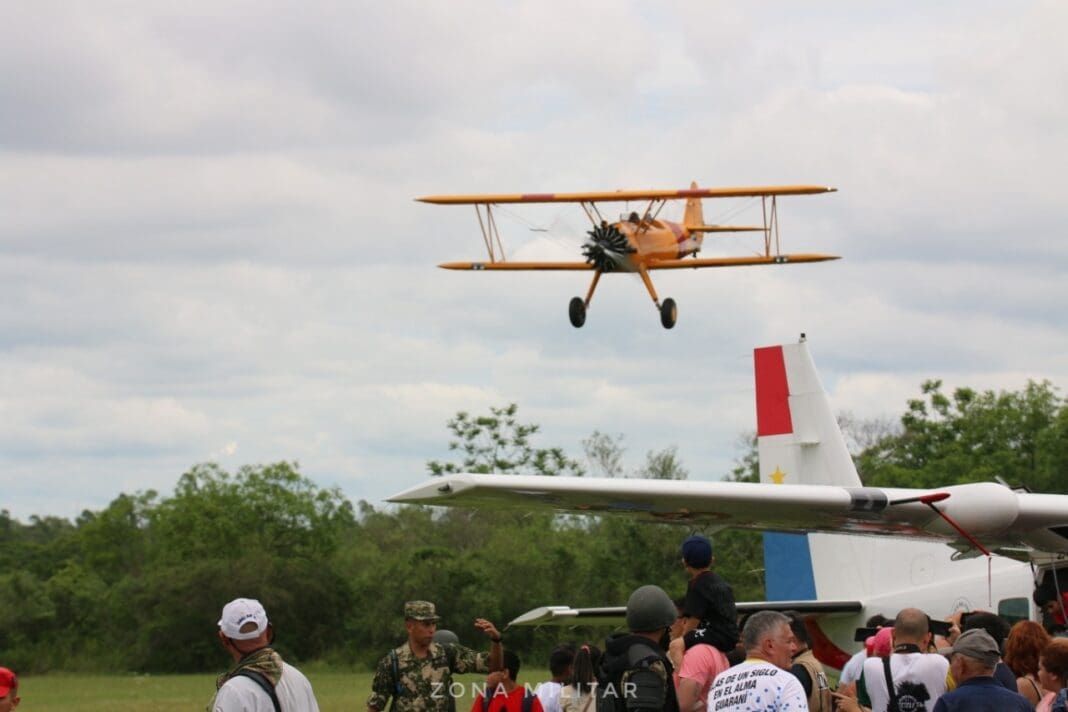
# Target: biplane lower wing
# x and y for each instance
(689, 263)
(517, 266)
(754, 261)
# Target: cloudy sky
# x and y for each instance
(209, 249)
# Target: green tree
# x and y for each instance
(663, 465)
(266, 532)
(604, 453)
(499, 443)
(972, 436)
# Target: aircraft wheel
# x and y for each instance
(577, 311)
(668, 313)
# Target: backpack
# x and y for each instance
(528, 701)
(610, 693)
(260, 679)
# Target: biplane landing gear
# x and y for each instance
(577, 311)
(668, 313)
(577, 308)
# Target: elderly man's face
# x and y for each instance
(780, 648)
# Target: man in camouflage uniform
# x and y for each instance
(418, 674)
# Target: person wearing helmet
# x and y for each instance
(636, 670)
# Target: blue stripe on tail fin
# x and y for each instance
(788, 568)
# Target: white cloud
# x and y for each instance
(210, 248)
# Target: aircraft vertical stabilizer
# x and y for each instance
(798, 438)
(695, 214)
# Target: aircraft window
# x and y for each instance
(1014, 609)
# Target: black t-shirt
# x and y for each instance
(710, 600)
(801, 673)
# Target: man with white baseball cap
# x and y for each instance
(259, 681)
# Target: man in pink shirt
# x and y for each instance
(700, 665)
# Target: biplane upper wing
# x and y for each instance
(626, 195)
(1002, 519)
(750, 261)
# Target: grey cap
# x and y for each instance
(977, 644)
(649, 609)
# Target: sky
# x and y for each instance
(210, 251)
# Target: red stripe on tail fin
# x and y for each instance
(772, 392)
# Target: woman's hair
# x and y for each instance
(1025, 642)
(1055, 658)
(584, 671)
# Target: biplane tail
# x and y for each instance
(695, 214)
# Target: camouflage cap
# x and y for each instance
(420, 611)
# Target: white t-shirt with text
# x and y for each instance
(756, 686)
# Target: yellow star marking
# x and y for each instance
(778, 476)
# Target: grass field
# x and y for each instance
(336, 690)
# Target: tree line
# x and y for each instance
(138, 585)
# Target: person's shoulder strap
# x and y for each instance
(528, 701)
(642, 655)
(265, 684)
(394, 663)
(892, 704)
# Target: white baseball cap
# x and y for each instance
(237, 613)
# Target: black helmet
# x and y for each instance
(649, 609)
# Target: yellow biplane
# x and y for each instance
(639, 242)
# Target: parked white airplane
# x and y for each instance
(860, 550)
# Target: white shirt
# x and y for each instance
(854, 668)
(549, 695)
(756, 686)
(240, 694)
(919, 676)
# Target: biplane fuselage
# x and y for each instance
(641, 242)
(654, 240)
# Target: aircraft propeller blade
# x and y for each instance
(605, 246)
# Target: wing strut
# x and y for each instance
(490, 234)
(929, 500)
(771, 226)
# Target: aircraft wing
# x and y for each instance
(616, 615)
(1002, 520)
(620, 196)
(699, 262)
(653, 264)
(516, 266)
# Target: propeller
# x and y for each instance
(605, 247)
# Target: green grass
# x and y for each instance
(337, 691)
